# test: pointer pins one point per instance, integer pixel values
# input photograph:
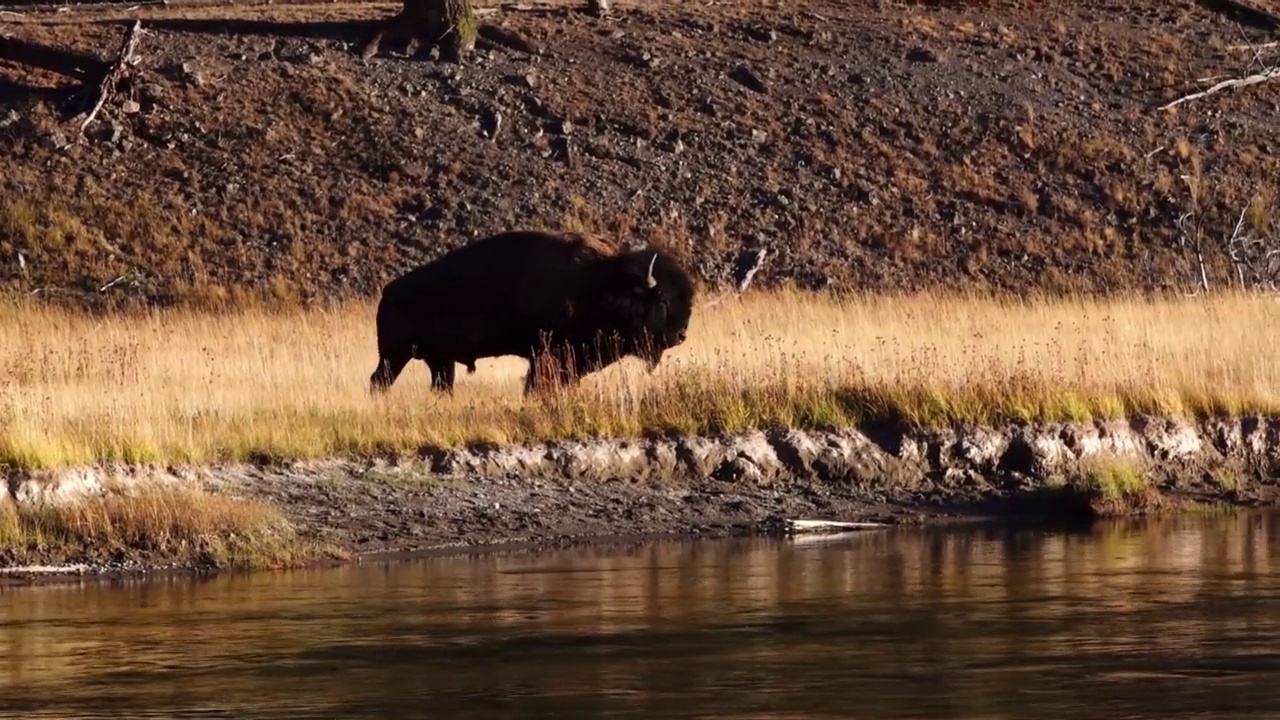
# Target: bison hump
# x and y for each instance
(592, 244)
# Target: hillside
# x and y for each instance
(872, 145)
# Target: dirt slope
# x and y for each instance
(999, 144)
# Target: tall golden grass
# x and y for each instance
(162, 523)
(190, 386)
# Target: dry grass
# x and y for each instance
(161, 523)
(186, 386)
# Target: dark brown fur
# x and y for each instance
(569, 303)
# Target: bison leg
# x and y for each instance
(389, 368)
(442, 374)
(549, 370)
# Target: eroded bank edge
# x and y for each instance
(1231, 460)
(884, 455)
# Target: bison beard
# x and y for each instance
(570, 304)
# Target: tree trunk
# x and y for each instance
(450, 24)
(598, 7)
(447, 24)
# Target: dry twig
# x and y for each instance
(1269, 74)
(744, 282)
(107, 86)
(1257, 46)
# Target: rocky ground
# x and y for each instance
(1003, 144)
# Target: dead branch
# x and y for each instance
(1270, 74)
(1257, 54)
(107, 86)
(1252, 254)
(743, 283)
(113, 283)
(1258, 46)
(1191, 236)
(751, 272)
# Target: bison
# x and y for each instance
(569, 303)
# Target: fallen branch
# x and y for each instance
(107, 86)
(1271, 74)
(744, 282)
(44, 569)
(1259, 46)
(802, 526)
(113, 283)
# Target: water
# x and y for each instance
(1172, 619)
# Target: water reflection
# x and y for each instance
(1169, 617)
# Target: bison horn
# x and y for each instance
(649, 280)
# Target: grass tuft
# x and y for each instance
(1114, 487)
(192, 386)
(162, 523)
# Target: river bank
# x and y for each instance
(467, 499)
(249, 438)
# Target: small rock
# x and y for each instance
(738, 469)
(562, 149)
(566, 127)
(922, 54)
(130, 107)
(191, 74)
(759, 135)
(747, 77)
(152, 93)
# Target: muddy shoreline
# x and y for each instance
(481, 498)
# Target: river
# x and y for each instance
(1162, 619)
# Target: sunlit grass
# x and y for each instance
(188, 386)
(1115, 486)
(160, 523)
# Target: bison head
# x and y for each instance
(645, 303)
